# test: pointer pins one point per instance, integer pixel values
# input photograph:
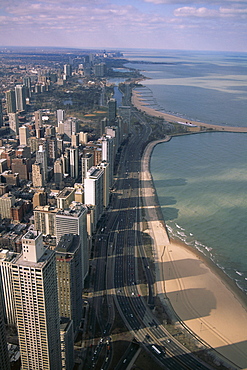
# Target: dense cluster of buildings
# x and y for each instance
(54, 188)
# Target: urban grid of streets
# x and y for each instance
(118, 246)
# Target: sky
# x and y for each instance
(118, 24)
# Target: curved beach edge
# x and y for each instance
(205, 299)
(137, 101)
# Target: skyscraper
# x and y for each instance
(10, 101)
(93, 190)
(13, 123)
(87, 162)
(41, 157)
(69, 278)
(67, 343)
(73, 220)
(20, 98)
(74, 162)
(36, 303)
(7, 200)
(6, 259)
(112, 110)
(67, 70)
(1, 113)
(70, 126)
(108, 154)
(45, 219)
(60, 115)
(4, 356)
(38, 119)
(37, 175)
(23, 135)
(58, 171)
(65, 198)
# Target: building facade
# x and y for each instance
(36, 304)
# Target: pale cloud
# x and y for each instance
(194, 2)
(190, 11)
(124, 23)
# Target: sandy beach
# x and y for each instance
(202, 296)
(140, 104)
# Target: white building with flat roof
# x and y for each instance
(94, 190)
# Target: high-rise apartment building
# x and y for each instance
(67, 343)
(21, 166)
(87, 162)
(7, 200)
(106, 179)
(1, 113)
(74, 162)
(23, 135)
(93, 190)
(28, 85)
(69, 278)
(108, 154)
(37, 175)
(20, 97)
(65, 198)
(6, 259)
(10, 101)
(13, 123)
(39, 199)
(4, 355)
(74, 220)
(38, 119)
(41, 157)
(70, 126)
(45, 219)
(60, 115)
(67, 70)
(83, 137)
(112, 110)
(58, 171)
(125, 113)
(75, 140)
(36, 304)
(100, 69)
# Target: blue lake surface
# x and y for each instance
(201, 180)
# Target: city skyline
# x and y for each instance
(154, 24)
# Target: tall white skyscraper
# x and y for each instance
(36, 303)
(74, 162)
(108, 154)
(93, 190)
(20, 97)
(60, 115)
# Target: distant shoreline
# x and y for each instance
(195, 126)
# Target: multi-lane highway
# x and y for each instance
(118, 255)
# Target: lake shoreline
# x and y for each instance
(200, 293)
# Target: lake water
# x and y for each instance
(201, 180)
